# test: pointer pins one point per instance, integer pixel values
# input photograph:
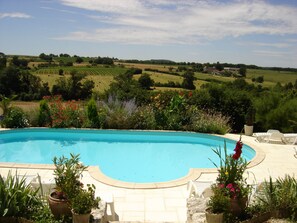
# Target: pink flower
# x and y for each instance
(229, 186)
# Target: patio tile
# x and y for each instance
(161, 216)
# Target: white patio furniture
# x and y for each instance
(291, 138)
(276, 137)
(263, 136)
(199, 188)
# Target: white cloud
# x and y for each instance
(269, 53)
(267, 44)
(179, 21)
(18, 15)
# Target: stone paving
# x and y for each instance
(169, 204)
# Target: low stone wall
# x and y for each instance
(196, 209)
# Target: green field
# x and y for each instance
(98, 70)
(272, 76)
(103, 75)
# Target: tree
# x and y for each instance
(219, 66)
(242, 71)
(73, 87)
(3, 61)
(10, 82)
(79, 60)
(61, 72)
(188, 82)
(5, 104)
(145, 81)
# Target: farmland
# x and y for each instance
(87, 70)
(103, 75)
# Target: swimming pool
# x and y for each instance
(129, 156)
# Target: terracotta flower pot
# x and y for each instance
(80, 218)
(59, 207)
(237, 206)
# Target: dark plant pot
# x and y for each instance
(214, 218)
(14, 220)
(59, 207)
(80, 218)
(8, 220)
(281, 213)
(263, 217)
(237, 206)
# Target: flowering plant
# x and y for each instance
(230, 180)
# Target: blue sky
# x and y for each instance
(260, 32)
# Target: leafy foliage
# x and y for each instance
(67, 173)
(15, 118)
(16, 197)
(84, 201)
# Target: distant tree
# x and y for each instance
(61, 72)
(10, 82)
(79, 60)
(22, 63)
(124, 87)
(69, 64)
(260, 79)
(3, 62)
(242, 71)
(219, 66)
(145, 81)
(188, 82)
(73, 87)
(64, 55)
(45, 57)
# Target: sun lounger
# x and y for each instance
(291, 138)
(199, 188)
(276, 137)
(264, 136)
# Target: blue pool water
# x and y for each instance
(131, 156)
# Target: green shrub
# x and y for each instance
(209, 122)
(118, 113)
(143, 118)
(15, 118)
(17, 199)
(280, 195)
(93, 114)
(44, 117)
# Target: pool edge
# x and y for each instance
(193, 174)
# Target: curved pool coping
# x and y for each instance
(193, 174)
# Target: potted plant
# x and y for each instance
(83, 203)
(218, 204)
(67, 173)
(231, 181)
(249, 120)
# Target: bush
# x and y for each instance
(16, 197)
(15, 118)
(44, 117)
(143, 118)
(209, 122)
(118, 113)
(93, 114)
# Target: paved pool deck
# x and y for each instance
(169, 204)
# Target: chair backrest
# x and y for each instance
(272, 130)
(276, 136)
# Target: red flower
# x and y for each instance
(237, 150)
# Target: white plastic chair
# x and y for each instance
(199, 188)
